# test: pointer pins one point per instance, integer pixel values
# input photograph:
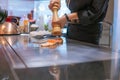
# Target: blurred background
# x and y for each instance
(23, 7)
(42, 14)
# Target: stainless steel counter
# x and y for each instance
(26, 57)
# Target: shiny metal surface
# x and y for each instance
(5, 69)
(8, 28)
(115, 68)
(73, 60)
(32, 55)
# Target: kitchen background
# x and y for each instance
(41, 12)
(23, 7)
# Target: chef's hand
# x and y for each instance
(60, 21)
(63, 20)
(54, 2)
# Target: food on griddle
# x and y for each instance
(48, 44)
(59, 40)
(52, 43)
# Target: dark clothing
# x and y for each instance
(77, 32)
(90, 14)
(3, 15)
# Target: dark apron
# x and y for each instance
(89, 33)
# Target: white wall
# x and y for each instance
(20, 8)
(4, 4)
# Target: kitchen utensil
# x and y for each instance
(56, 31)
(9, 28)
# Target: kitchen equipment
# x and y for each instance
(14, 19)
(9, 28)
(33, 27)
(56, 31)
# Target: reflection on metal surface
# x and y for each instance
(5, 77)
(69, 52)
(28, 56)
(10, 54)
(11, 41)
(115, 70)
(2, 41)
(55, 72)
(115, 66)
(8, 28)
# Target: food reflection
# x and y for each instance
(24, 40)
(82, 71)
(9, 39)
(55, 72)
(2, 41)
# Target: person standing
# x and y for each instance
(84, 21)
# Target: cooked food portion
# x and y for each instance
(52, 43)
(59, 40)
(56, 40)
(48, 44)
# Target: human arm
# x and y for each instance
(95, 12)
(63, 19)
